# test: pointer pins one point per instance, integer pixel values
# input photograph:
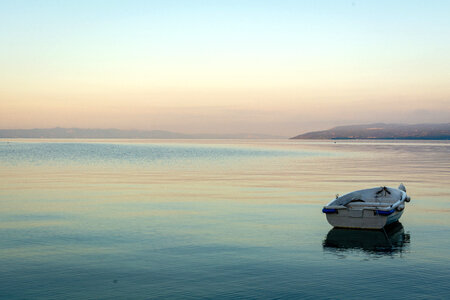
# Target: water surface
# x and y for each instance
(140, 219)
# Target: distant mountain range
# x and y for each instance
(119, 134)
(383, 131)
(367, 131)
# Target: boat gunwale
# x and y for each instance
(382, 207)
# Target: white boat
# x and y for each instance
(367, 209)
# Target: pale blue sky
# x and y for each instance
(228, 66)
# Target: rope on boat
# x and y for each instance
(385, 233)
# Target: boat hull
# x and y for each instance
(364, 219)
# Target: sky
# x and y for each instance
(273, 67)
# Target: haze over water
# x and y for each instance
(102, 219)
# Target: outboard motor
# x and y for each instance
(403, 188)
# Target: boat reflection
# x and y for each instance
(392, 239)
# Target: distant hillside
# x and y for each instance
(118, 134)
(383, 131)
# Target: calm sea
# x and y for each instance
(147, 219)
